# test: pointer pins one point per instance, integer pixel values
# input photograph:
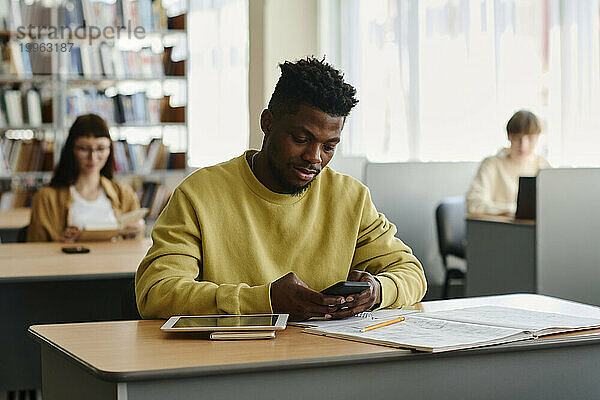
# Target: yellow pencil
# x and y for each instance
(381, 324)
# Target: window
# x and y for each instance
(218, 81)
(439, 79)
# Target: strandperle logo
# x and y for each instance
(90, 32)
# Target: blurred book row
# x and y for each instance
(102, 61)
(26, 155)
(152, 195)
(32, 107)
(146, 13)
(18, 193)
(107, 61)
(15, 60)
(143, 159)
(136, 108)
(38, 155)
(152, 15)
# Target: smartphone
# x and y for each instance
(76, 250)
(345, 288)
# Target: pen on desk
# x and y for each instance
(381, 324)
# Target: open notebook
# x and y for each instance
(460, 328)
(372, 317)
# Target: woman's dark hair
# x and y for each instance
(313, 82)
(67, 171)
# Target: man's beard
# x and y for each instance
(299, 191)
(293, 191)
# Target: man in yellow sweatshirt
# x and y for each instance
(266, 231)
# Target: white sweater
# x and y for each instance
(495, 186)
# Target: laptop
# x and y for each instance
(526, 198)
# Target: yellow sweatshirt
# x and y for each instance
(495, 186)
(224, 237)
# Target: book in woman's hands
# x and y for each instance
(460, 328)
(107, 231)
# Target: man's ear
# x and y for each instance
(266, 121)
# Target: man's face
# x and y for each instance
(298, 146)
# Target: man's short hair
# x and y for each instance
(315, 83)
(525, 122)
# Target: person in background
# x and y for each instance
(495, 186)
(82, 190)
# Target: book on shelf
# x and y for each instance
(36, 13)
(12, 107)
(154, 196)
(172, 67)
(33, 107)
(460, 328)
(15, 14)
(176, 22)
(25, 155)
(3, 157)
(21, 107)
(23, 63)
(169, 113)
(5, 15)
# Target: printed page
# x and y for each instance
(424, 333)
(514, 318)
(378, 315)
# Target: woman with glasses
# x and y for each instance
(82, 190)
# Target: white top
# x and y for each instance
(84, 211)
(495, 187)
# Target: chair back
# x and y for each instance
(450, 217)
(9, 235)
(22, 234)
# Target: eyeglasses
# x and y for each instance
(90, 150)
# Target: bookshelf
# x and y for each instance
(136, 81)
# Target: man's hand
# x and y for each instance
(363, 301)
(290, 295)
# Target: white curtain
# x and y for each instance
(438, 79)
(218, 80)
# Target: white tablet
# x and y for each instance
(212, 323)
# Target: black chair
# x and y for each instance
(13, 235)
(450, 217)
(9, 235)
(22, 234)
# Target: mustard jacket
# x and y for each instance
(50, 208)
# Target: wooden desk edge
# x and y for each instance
(72, 277)
(399, 355)
(186, 372)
